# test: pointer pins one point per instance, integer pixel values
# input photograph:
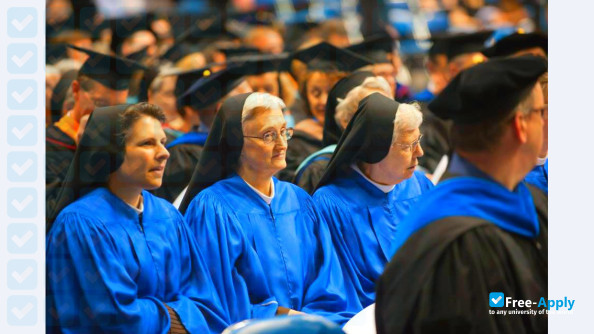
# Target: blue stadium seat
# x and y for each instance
(310, 324)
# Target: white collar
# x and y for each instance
(267, 199)
(139, 209)
(541, 161)
(384, 188)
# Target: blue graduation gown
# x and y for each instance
(251, 247)
(363, 221)
(107, 272)
(539, 177)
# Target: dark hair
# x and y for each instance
(133, 113)
(484, 136)
(87, 84)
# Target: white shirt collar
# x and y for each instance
(541, 161)
(384, 188)
(267, 199)
(140, 208)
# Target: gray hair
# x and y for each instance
(260, 101)
(52, 70)
(347, 107)
(408, 118)
(164, 70)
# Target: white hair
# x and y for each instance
(347, 107)
(260, 100)
(408, 118)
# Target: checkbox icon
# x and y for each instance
(22, 58)
(22, 22)
(21, 238)
(22, 274)
(496, 299)
(22, 94)
(22, 310)
(22, 203)
(21, 130)
(22, 166)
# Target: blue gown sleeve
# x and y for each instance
(197, 304)
(236, 270)
(326, 293)
(89, 290)
(333, 214)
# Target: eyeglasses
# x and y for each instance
(271, 136)
(412, 146)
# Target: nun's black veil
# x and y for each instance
(99, 153)
(367, 138)
(332, 130)
(220, 155)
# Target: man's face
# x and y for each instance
(534, 129)
(269, 42)
(98, 96)
(265, 83)
(388, 72)
(165, 97)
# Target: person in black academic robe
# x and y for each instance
(482, 230)
(118, 258)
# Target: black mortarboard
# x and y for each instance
(210, 89)
(111, 71)
(517, 42)
(239, 51)
(185, 79)
(326, 57)
(489, 90)
(261, 63)
(177, 51)
(376, 48)
(465, 43)
(138, 56)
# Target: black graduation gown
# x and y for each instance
(311, 174)
(457, 262)
(301, 146)
(59, 152)
(178, 171)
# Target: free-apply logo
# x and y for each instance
(496, 299)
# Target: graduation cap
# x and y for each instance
(517, 41)
(325, 57)
(376, 48)
(459, 44)
(261, 63)
(123, 28)
(211, 88)
(237, 51)
(111, 71)
(489, 90)
(185, 79)
(138, 56)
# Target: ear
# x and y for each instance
(520, 127)
(76, 89)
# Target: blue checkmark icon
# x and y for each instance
(496, 299)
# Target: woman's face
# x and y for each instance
(401, 160)
(261, 157)
(146, 156)
(318, 85)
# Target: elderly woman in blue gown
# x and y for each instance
(261, 237)
(370, 185)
